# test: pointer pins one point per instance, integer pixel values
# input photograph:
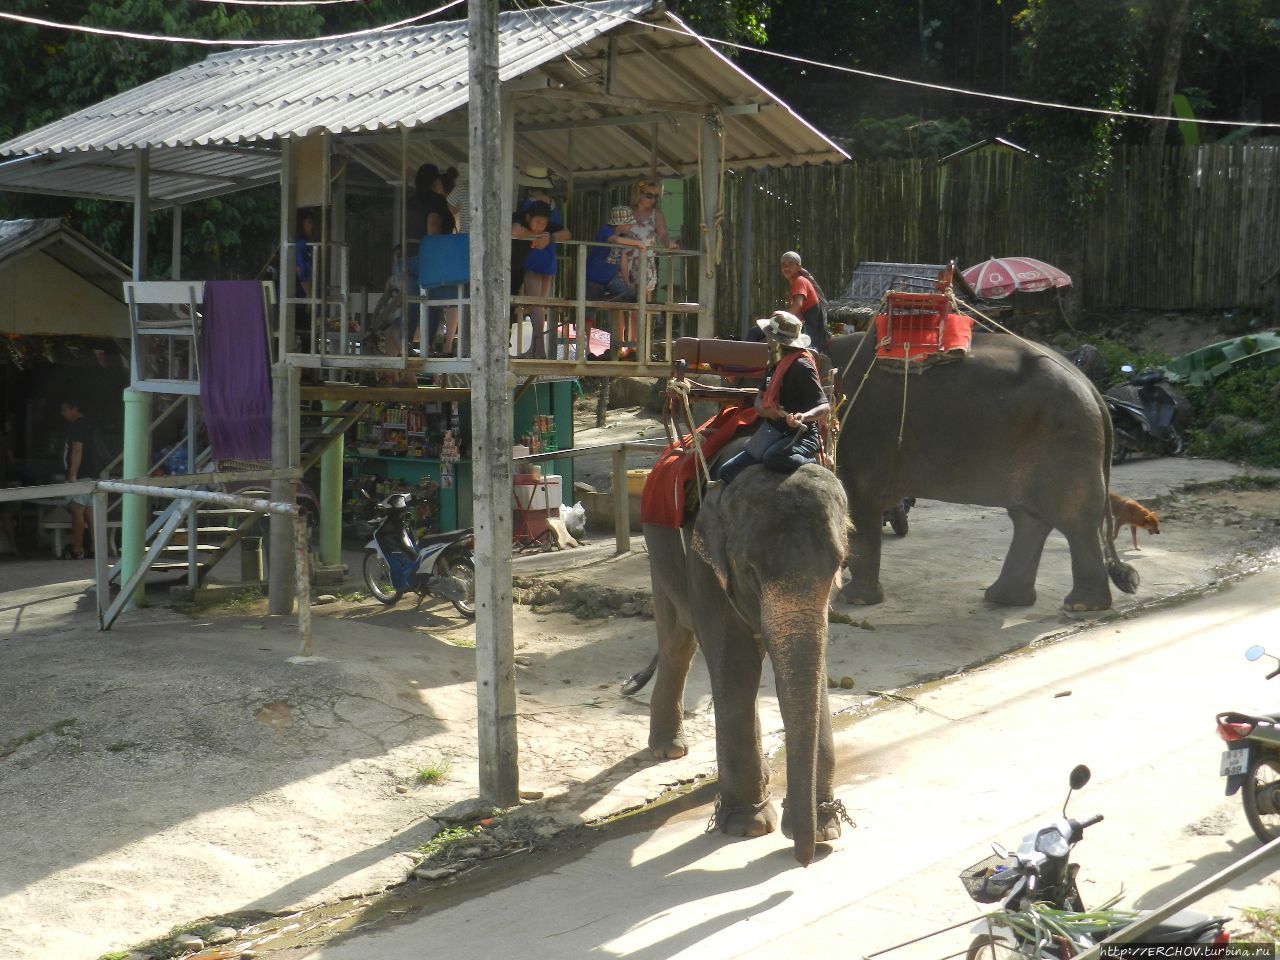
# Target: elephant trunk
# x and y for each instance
(794, 627)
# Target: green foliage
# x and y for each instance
(743, 21)
(1264, 924)
(438, 846)
(435, 772)
(906, 137)
(1076, 52)
(1115, 355)
(1248, 393)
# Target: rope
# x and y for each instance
(718, 226)
(906, 376)
(681, 389)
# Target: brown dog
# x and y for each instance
(1131, 513)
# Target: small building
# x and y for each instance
(64, 330)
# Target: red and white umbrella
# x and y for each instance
(998, 277)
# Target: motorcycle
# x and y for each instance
(1148, 415)
(1252, 760)
(1040, 877)
(440, 564)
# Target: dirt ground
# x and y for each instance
(189, 764)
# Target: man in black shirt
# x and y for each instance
(791, 401)
(86, 458)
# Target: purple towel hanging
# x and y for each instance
(235, 374)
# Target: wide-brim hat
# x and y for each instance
(621, 214)
(535, 177)
(785, 328)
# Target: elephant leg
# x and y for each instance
(744, 808)
(828, 814)
(1016, 586)
(864, 561)
(1089, 587)
(676, 645)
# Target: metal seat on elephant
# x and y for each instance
(916, 326)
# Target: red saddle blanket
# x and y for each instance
(662, 501)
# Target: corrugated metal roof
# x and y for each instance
(211, 126)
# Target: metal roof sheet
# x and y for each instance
(213, 127)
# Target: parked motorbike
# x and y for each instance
(1148, 415)
(1252, 760)
(440, 564)
(1040, 876)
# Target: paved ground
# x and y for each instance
(189, 764)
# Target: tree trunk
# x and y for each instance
(1175, 28)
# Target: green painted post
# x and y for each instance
(137, 456)
(331, 498)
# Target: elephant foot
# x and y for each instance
(671, 748)
(746, 820)
(1010, 596)
(828, 824)
(861, 595)
(1081, 603)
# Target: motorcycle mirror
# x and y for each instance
(1080, 776)
(1000, 851)
(1255, 652)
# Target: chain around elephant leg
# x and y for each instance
(831, 813)
(744, 819)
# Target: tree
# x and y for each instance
(1077, 52)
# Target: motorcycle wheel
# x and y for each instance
(898, 520)
(377, 577)
(1263, 778)
(463, 569)
(987, 947)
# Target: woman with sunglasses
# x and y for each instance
(650, 227)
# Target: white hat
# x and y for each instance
(535, 177)
(785, 328)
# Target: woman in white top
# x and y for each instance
(651, 228)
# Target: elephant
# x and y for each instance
(758, 561)
(1011, 425)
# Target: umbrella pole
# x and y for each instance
(1057, 295)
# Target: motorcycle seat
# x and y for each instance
(434, 538)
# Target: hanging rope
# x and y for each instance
(906, 376)
(713, 233)
(681, 390)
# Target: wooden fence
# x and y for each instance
(1175, 229)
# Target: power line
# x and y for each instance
(804, 61)
(203, 41)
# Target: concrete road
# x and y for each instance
(986, 759)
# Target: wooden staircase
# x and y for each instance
(218, 530)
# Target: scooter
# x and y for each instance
(1040, 875)
(440, 564)
(1252, 760)
(1148, 415)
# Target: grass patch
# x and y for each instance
(434, 773)
(467, 643)
(60, 728)
(439, 846)
(1264, 925)
(1245, 482)
(120, 746)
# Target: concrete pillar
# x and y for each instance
(137, 460)
(331, 499)
(709, 182)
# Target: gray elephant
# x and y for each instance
(759, 560)
(1010, 425)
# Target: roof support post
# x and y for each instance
(709, 182)
(280, 576)
(491, 125)
(748, 203)
(137, 406)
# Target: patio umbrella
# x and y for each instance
(998, 277)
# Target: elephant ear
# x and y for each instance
(710, 540)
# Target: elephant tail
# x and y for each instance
(636, 682)
(1123, 575)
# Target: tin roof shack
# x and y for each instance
(64, 330)
(858, 302)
